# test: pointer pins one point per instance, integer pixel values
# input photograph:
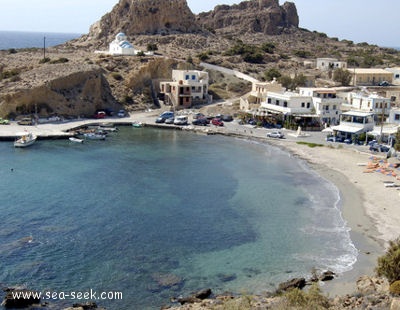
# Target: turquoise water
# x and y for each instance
(156, 213)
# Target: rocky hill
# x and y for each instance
(135, 17)
(265, 16)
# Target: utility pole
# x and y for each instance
(44, 47)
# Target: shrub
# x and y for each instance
(44, 60)
(395, 288)
(272, 73)
(342, 76)
(389, 263)
(313, 299)
(117, 76)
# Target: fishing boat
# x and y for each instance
(76, 140)
(137, 124)
(26, 139)
(95, 136)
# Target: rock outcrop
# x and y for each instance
(76, 93)
(265, 16)
(135, 17)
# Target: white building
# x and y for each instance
(369, 102)
(287, 103)
(394, 116)
(354, 123)
(325, 103)
(396, 75)
(325, 64)
(121, 46)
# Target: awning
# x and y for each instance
(349, 129)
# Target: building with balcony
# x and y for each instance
(353, 123)
(187, 88)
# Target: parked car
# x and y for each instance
(121, 113)
(198, 115)
(100, 114)
(25, 121)
(169, 120)
(201, 121)
(181, 120)
(275, 134)
(227, 118)
(165, 115)
(384, 83)
(217, 122)
(4, 121)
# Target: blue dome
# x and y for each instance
(125, 44)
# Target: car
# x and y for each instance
(201, 122)
(121, 113)
(181, 120)
(275, 134)
(100, 114)
(165, 115)
(25, 121)
(217, 122)
(227, 118)
(169, 120)
(384, 83)
(4, 121)
(198, 115)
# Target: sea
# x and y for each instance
(154, 214)
(23, 39)
(151, 214)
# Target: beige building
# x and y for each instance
(370, 76)
(188, 87)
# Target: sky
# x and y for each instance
(368, 21)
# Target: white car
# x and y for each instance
(121, 113)
(275, 134)
(181, 120)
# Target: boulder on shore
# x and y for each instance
(291, 284)
(19, 298)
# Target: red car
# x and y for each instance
(100, 114)
(217, 122)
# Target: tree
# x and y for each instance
(389, 263)
(397, 144)
(342, 76)
(271, 74)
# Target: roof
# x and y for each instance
(350, 129)
(369, 71)
(358, 113)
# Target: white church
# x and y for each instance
(121, 46)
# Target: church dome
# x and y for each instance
(121, 37)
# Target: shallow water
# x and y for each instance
(156, 213)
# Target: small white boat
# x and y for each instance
(137, 124)
(77, 140)
(109, 129)
(94, 136)
(27, 139)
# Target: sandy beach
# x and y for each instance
(371, 210)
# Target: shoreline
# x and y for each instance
(366, 205)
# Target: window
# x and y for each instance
(303, 104)
(308, 105)
(397, 76)
(327, 107)
(269, 100)
(187, 77)
(193, 77)
(334, 107)
(285, 104)
(277, 102)
(397, 117)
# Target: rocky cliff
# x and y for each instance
(265, 16)
(71, 92)
(135, 17)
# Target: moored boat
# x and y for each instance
(76, 140)
(26, 139)
(94, 136)
(137, 124)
